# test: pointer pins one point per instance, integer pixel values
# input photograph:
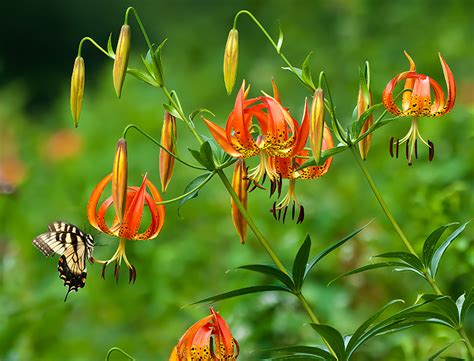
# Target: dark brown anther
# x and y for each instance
(284, 214)
(407, 146)
(431, 151)
(396, 147)
(416, 148)
(273, 210)
(116, 272)
(280, 181)
(102, 273)
(279, 214)
(293, 211)
(300, 216)
(132, 276)
(390, 147)
(253, 187)
(264, 178)
(272, 187)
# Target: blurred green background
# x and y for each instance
(48, 169)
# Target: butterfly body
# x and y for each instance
(73, 246)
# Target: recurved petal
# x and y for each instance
(387, 95)
(157, 212)
(133, 214)
(94, 200)
(450, 83)
(225, 340)
(220, 136)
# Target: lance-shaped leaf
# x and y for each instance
(429, 246)
(271, 271)
(192, 185)
(328, 250)
(446, 305)
(306, 72)
(300, 263)
(439, 352)
(333, 338)
(369, 267)
(242, 292)
(466, 304)
(433, 266)
(308, 352)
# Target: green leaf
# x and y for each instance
(271, 271)
(355, 338)
(280, 38)
(365, 115)
(406, 257)
(306, 72)
(332, 248)
(141, 75)
(293, 70)
(439, 352)
(200, 110)
(191, 185)
(468, 302)
(433, 267)
(446, 305)
(307, 350)
(110, 48)
(172, 110)
(324, 156)
(196, 156)
(452, 358)
(300, 262)
(333, 338)
(300, 357)
(430, 243)
(207, 156)
(241, 292)
(369, 267)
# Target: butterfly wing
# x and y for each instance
(72, 267)
(50, 243)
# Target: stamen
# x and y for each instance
(396, 151)
(390, 147)
(407, 145)
(272, 187)
(116, 272)
(132, 276)
(280, 181)
(273, 210)
(264, 178)
(279, 214)
(104, 267)
(300, 216)
(416, 148)
(431, 154)
(284, 214)
(293, 211)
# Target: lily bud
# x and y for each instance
(240, 183)
(119, 178)
(121, 58)
(168, 140)
(316, 130)
(77, 88)
(231, 56)
(362, 106)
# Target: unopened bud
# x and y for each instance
(77, 88)
(168, 141)
(240, 184)
(316, 131)
(119, 178)
(362, 106)
(231, 56)
(121, 58)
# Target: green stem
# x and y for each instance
(468, 344)
(118, 349)
(79, 50)
(382, 203)
(199, 186)
(336, 126)
(140, 24)
(260, 237)
(137, 128)
(270, 39)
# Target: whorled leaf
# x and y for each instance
(300, 262)
(333, 338)
(241, 292)
(271, 271)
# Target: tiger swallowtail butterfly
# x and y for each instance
(73, 246)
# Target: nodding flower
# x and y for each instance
(128, 203)
(417, 102)
(260, 126)
(208, 339)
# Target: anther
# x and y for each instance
(390, 147)
(300, 216)
(407, 146)
(273, 210)
(264, 178)
(284, 214)
(104, 267)
(431, 151)
(272, 187)
(279, 214)
(396, 149)
(293, 211)
(280, 181)
(416, 148)
(116, 272)
(132, 276)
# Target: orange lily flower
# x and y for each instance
(417, 102)
(128, 203)
(274, 134)
(208, 339)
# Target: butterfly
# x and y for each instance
(73, 246)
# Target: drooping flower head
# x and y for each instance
(128, 204)
(208, 339)
(417, 102)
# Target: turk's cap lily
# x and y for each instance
(78, 78)
(417, 100)
(208, 339)
(136, 198)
